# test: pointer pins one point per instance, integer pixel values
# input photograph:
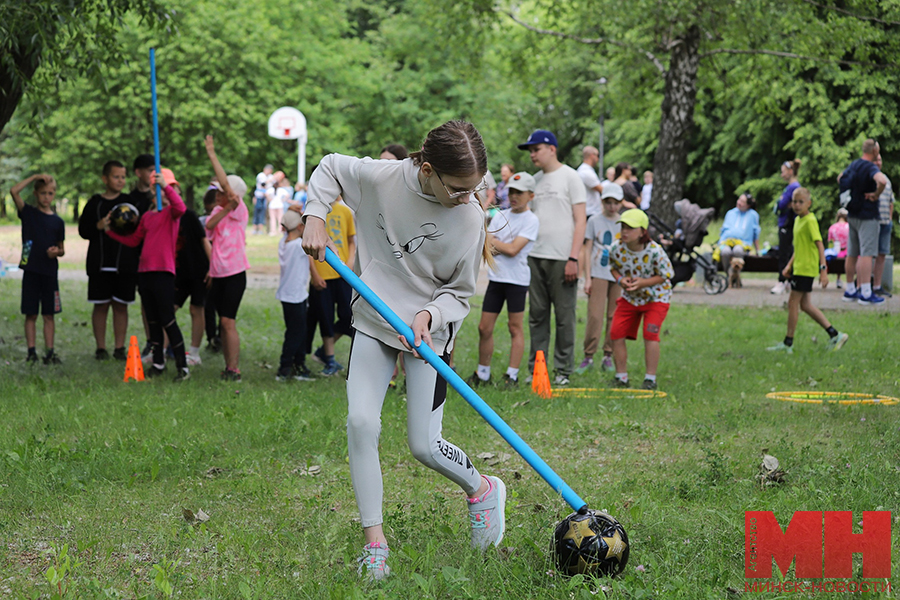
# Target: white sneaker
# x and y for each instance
(193, 361)
(487, 515)
(373, 562)
(778, 288)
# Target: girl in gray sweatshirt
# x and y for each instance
(420, 234)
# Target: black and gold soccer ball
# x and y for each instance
(124, 218)
(590, 543)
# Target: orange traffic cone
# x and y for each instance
(540, 381)
(134, 368)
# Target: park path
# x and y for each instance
(755, 292)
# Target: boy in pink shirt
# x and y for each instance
(158, 230)
(226, 228)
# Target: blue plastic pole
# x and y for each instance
(155, 124)
(480, 406)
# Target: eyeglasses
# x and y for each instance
(453, 195)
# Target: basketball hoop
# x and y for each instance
(288, 123)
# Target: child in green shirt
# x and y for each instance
(807, 261)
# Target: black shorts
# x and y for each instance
(106, 286)
(323, 304)
(802, 284)
(195, 288)
(496, 293)
(228, 292)
(40, 294)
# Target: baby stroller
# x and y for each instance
(681, 244)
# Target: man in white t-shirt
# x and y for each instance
(592, 184)
(513, 237)
(264, 179)
(559, 198)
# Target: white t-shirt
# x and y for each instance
(554, 196)
(279, 198)
(514, 269)
(592, 197)
(602, 232)
(294, 262)
(645, 196)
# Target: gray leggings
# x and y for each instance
(371, 366)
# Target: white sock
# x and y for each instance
(865, 290)
(851, 287)
(649, 377)
(622, 377)
(484, 372)
(195, 351)
(513, 373)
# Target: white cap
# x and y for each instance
(521, 181)
(236, 184)
(612, 190)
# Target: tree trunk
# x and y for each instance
(670, 161)
(12, 85)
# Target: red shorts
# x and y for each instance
(628, 316)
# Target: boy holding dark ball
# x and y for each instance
(111, 266)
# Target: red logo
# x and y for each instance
(821, 545)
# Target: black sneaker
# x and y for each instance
(880, 291)
(301, 373)
(147, 351)
(182, 375)
(508, 382)
(283, 374)
(154, 371)
(101, 354)
(214, 345)
(31, 358)
(120, 354)
(475, 381)
(232, 376)
(649, 384)
(52, 358)
(618, 383)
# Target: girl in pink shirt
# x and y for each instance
(840, 232)
(158, 230)
(226, 228)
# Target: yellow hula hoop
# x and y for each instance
(844, 398)
(611, 393)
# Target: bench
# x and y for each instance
(769, 264)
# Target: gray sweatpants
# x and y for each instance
(371, 367)
(548, 290)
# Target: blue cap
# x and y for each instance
(539, 136)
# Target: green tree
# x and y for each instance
(65, 37)
(224, 80)
(679, 40)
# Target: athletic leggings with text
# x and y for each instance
(371, 367)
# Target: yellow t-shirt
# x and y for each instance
(806, 253)
(340, 225)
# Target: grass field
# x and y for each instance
(96, 473)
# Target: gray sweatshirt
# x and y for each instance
(413, 252)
